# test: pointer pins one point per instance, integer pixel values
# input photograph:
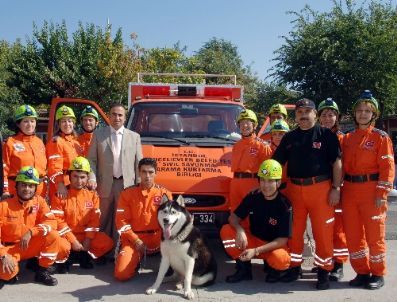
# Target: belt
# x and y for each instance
(120, 177)
(310, 180)
(362, 178)
(244, 175)
(8, 243)
(147, 232)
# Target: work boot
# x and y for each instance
(375, 282)
(62, 268)
(101, 261)
(322, 279)
(32, 264)
(360, 280)
(273, 275)
(13, 280)
(337, 272)
(293, 274)
(266, 267)
(44, 277)
(85, 260)
(243, 272)
(314, 270)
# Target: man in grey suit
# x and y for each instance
(114, 155)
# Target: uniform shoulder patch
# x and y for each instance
(258, 139)
(381, 132)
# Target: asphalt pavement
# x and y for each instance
(99, 285)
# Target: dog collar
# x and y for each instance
(183, 235)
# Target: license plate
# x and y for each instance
(204, 218)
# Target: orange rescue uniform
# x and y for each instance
(78, 219)
(267, 137)
(136, 218)
(368, 164)
(61, 150)
(341, 252)
(18, 218)
(23, 150)
(84, 140)
(247, 155)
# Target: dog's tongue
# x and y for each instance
(167, 232)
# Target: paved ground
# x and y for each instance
(81, 285)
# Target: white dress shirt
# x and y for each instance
(116, 139)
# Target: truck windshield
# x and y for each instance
(185, 122)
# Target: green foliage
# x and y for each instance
(341, 53)
(9, 96)
(92, 65)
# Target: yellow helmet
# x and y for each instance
(24, 111)
(278, 108)
(80, 164)
(270, 169)
(279, 125)
(28, 175)
(64, 111)
(247, 115)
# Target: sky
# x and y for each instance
(256, 27)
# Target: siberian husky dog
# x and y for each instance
(183, 248)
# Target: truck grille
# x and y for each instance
(198, 201)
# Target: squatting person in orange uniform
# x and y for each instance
(61, 150)
(89, 121)
(314, 174)
(270, 217)
(26, 231)
(78, 219)
(328, 115)
(136, 220)
(368, 165)
(24, 149)
(247, 155)
(276, 112)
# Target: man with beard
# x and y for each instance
(89, 121)
(314, 174)
(26, 224)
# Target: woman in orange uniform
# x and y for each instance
(368, 164)
(61, 150)
(24, 149)
(328, 112)
(247, 155)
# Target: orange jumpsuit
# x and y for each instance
(78, 219)
(136, 218)
(247, 155)
(85, 140)
(61, 150)
(368, 164)
(341, 252)
(23, 150)
(15, 220)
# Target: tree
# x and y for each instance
(340, 53)
(9, 96)
(91, 65)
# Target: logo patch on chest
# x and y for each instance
(369, 144)
(253, 151)
(272, 221)
(316, 145)
(34, 209)
(18, 147)
(89, 204)
(157, 200)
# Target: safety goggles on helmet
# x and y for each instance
(28, 175)
(329, 103)
(279, 125)
(247, 114)
(278, 108)
(270, 169)
(64, 111)
(367, 96)
(25, 111)
(80, 164)
(90, 111)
